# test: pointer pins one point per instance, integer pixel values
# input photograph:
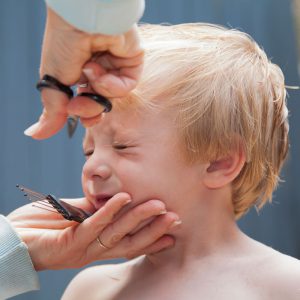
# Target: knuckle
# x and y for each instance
(116, 237)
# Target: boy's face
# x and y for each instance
(137, 153)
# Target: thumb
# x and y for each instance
(53, 117)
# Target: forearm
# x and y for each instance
(99, 16)
(17, 274)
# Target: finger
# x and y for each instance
(34, 215)
(135, 244)
(112, 76)
(84, 107)
(113, 63)
(119, 85)
(125, 45)
(89, 230)
(53, 117)
(89, 111)
(132, 246)
(129, 221)
(82, 203)
(89, 122)
(28, 216)
(163, 243)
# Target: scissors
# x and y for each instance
(73, 120)
(48, 81)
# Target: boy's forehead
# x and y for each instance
(130, 123)
(113, 123)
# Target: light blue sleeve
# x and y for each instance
(17, 274)
(99, 16)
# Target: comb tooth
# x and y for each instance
(33, 196)
(36, 194)
(44, 203)
(30, 192)
(41, 207)
(37, 204)
(48, 207)
(35, 199)
(39, 199)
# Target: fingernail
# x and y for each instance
(162, 212)
(90, 74)
(175, 223)
(30, 131)
(127, 201)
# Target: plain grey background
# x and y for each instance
(54, 166)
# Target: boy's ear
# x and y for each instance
(223, 171)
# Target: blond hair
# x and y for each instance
(222, 86)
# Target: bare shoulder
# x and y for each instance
(286, 273)
(99, 282)
(281, 275)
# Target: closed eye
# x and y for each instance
(120, 146)
(88, 153)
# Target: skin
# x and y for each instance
(212, 258)
(53, 242)
(66, 55)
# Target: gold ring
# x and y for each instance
(101, 244)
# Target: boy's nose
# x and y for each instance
(103, 171)
(99, 171)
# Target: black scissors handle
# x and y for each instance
(48, 81)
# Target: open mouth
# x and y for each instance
(101, 200)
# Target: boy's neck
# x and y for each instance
(208, 229)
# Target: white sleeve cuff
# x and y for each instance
(108, 17)
(17, 274)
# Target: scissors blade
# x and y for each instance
(72, 125)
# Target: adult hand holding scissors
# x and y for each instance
(65, 56)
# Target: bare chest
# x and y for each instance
(189, 288)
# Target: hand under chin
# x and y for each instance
(141, 225)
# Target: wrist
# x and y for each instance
(17, 273)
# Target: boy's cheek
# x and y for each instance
(84, 186)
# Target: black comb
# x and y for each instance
(51, 203)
